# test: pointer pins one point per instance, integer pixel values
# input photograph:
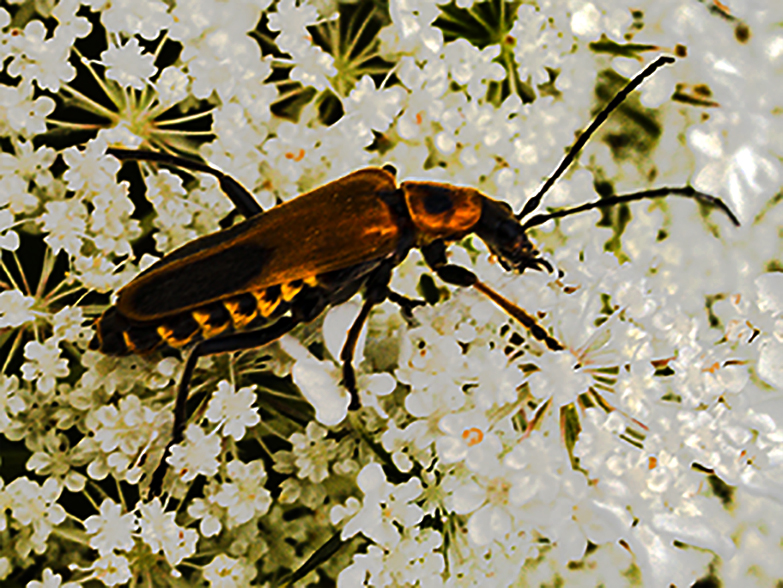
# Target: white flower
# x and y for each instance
(376, 108)
(226, 572)
(65, 221)
(384, 505)
(364, 565)
(472, 67)
(44, 364)
(319, 382)
(539, 42)
(313, 452)
(233, 410)
(50, 580)
(161, 533)
(16, 195)
(15, 309)
(314, 67)
(171, 85)
(20, 112)
(395, 441)
(112, 569)
(586, 21)
(127, 66)
(67, 324)
(34, 505)
(209, 512)
(197, 454)
(412, 33)
(122, 433)
(468, 438)
(498, 378)
(145, 17)
(110, 219)
(90, 169)
(69, 24)
(29, 163)
(11, 403)
(770, 363)
(291, 21)
(244, 496)
(42, 60)
(110, 530)
(557, 378)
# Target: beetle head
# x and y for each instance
(505, 237)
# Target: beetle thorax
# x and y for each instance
(442, 211)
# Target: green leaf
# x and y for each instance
(321, 555)
(632, 50)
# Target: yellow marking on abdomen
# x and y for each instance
(240, 320)
(208, 331)
(168, 337)
(128, 343)
(266, 306)
(288, 291)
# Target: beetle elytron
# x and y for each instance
(249, 284)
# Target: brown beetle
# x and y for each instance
(247, 285)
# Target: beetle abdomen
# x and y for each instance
(116, 334)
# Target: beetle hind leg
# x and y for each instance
(243, 200)
(220, 344)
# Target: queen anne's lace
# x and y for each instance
(647, 452)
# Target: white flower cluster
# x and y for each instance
(649, 451)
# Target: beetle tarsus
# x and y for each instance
(405, 303)
(349, 383)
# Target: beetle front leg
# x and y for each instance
(435, 256)
(225, 344)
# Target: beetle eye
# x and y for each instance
(508, 232)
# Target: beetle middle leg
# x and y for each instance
(221, 344)
(435, 256)
(376, 291)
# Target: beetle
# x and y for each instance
(247, 285)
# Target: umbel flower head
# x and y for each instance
(647, 451)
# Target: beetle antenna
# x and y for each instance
(686, 191)
(574, 150)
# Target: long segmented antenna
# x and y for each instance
(685, 191)
(533, 203)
